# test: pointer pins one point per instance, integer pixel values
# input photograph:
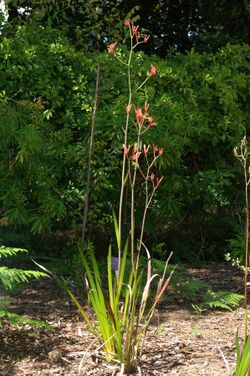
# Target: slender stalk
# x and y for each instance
(148, 199)
(91, 143)
(142, 84)
(132, 216)
(246, 249)
(242, 156)
(123, 177)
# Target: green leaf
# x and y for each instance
(110, 280)
(243, 358)
(117, 231)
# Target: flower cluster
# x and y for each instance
(112, 48)
(140, 38)
(141, 117)
(134, 29)
(136, 153)
(156, 181)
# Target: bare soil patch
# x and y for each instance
(179, 342)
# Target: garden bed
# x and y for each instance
(179, 343)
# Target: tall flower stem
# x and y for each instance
(132, 215)
(123, 177)
(242, 156)
(148, 200)
(135, 37)
(246, 249)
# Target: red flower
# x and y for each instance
(112, 48)
(153, 70)
(137, 36)
(135, 148)
(152, 178)
(126, 150)
(139, 115)
(146, 148)
(135, 28)
(136, 156)
(160, 152)
(127, 22)
(158, 181)
(150, 121)
(146, 38)
(155, 148)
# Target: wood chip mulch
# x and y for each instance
(179, 342)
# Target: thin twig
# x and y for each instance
(225, 361)
(91, 143)
(84, 356)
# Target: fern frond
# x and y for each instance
(13, 319)
(11, 277)
(222, 299)
(10, 251)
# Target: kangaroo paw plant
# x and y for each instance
(125, 305)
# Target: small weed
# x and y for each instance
(196, 331)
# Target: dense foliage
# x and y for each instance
(177, 25)
(46, 99)
(45, 104)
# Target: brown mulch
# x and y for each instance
(179, 342)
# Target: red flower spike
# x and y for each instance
(152, 178)
(146, 149)
(160, 152)
(127, 22)
(139, 115)
(146, 38)
(128, 108)
(146, 106)
(137, 36)
(153, 70)
(158, 181)
(126, 150)
(112, 48)
(135, 28)
(150, 121)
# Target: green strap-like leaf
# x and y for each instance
(244, 365)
